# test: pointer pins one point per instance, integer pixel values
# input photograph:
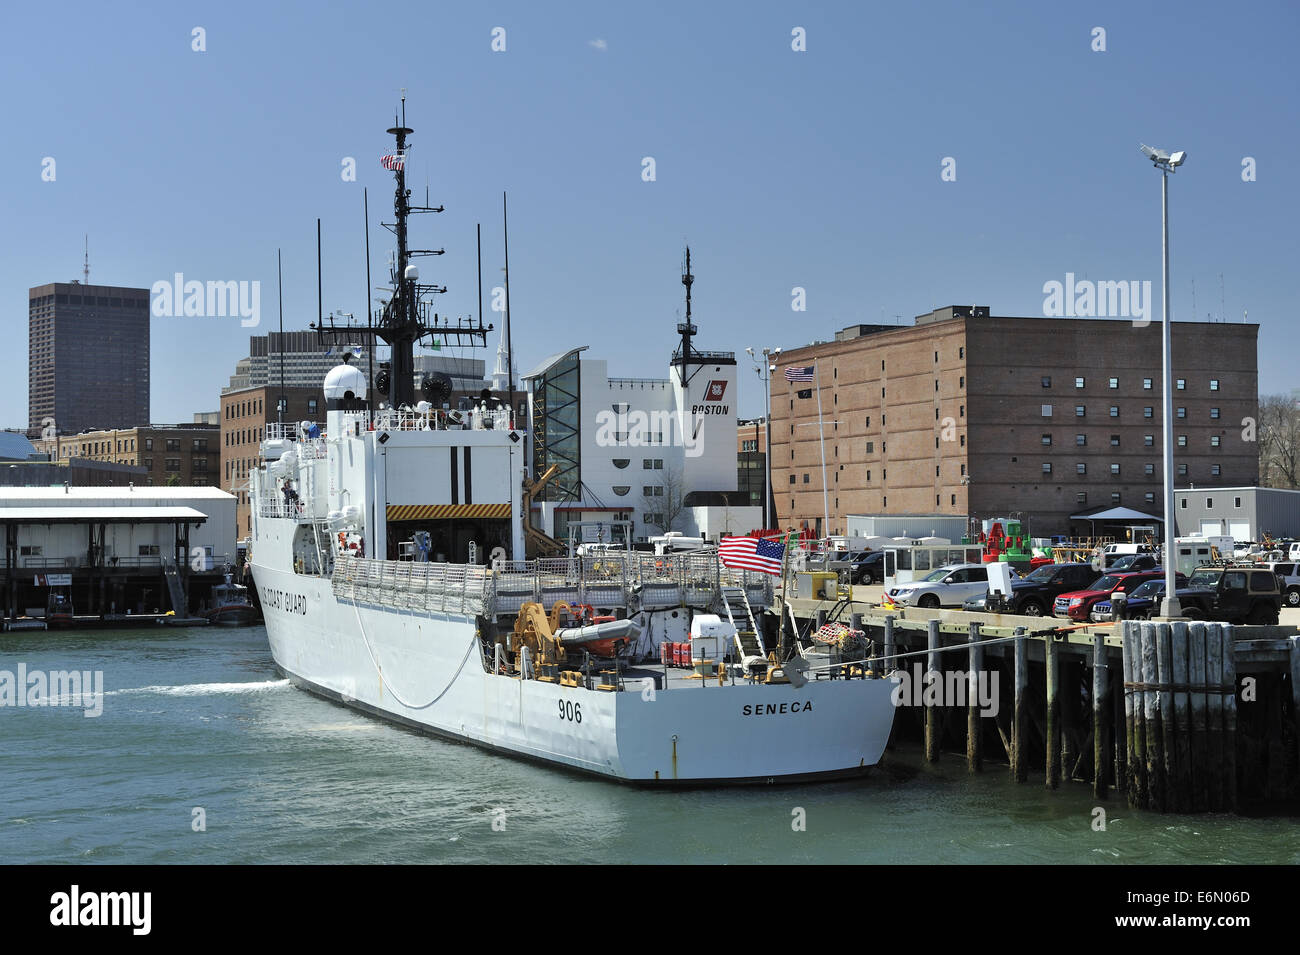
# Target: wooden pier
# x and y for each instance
(1177, 717)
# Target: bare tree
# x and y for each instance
(672, 503)
(1279, 442)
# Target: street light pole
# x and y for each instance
(1167, 163)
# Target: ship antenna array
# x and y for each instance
(406, 317)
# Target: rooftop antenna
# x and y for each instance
(1193, 299)
(85, 268)
(1223, 311)
(687, 329)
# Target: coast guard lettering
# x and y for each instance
(284, 600)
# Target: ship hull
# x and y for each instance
(427, 671)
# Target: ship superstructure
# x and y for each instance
(388, 550)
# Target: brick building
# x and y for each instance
(968, 414)
(184, 454)
(244, 417)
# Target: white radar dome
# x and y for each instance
(345, 381)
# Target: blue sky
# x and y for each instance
(818, 169)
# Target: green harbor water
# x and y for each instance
(197, 726)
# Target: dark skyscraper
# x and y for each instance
(88, 358)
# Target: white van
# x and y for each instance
(1294, 552)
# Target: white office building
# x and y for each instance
(659, 452)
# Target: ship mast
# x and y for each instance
(406, 317)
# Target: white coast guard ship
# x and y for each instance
(370, 550)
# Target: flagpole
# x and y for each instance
(780, 620)
(821, 432)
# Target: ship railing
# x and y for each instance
(411, 585)
(312, 448)
(281, 431)
(268, 507)
(478, 418)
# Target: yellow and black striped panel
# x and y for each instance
(446, 512)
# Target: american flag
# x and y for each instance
(793, 373)
(394, 162)
(752, 553)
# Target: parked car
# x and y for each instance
(1078, 604)
(1035, 594)
(945, 587)
(1232, 595)
(1132, 562)
(870, 569)
(1143, 603)
(1290, 580)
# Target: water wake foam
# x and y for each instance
(205, 689)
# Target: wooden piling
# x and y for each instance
(1295, 691)
(1196, 698)
(1069, 710)
(974, 743)
(932, 711)
(1119, 744)
(1052, 668)
(1020, 720)
(1168, 729)
(1155, 757)
(1182, 721)
(1134, 729)
(1100, 704)
(1229, 684)
(1214, 712)
(890, 645)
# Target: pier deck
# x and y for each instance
(1180, 717)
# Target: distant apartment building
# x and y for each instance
(170, 454)
(87, 358)
(244, 417)
(969, 414)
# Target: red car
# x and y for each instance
(1078, 604)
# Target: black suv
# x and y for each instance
(1232, 594)
(1033, 595)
